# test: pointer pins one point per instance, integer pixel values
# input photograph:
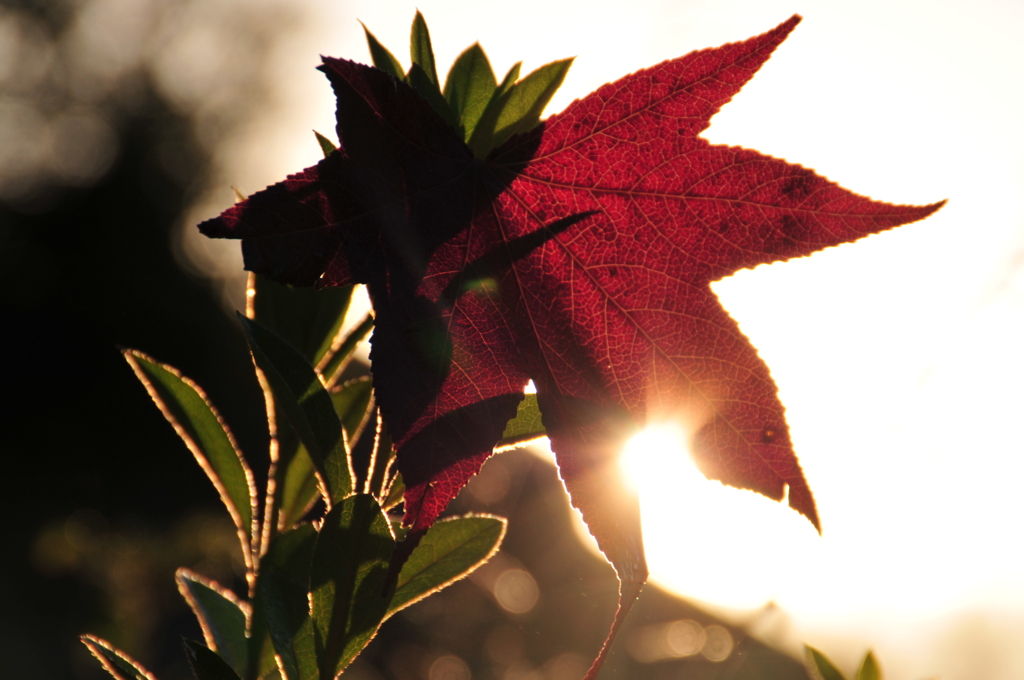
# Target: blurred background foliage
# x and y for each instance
(116, 120)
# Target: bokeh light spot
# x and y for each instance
(449, 667)
(718, 645)
(516, 591)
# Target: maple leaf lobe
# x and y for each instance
(579, 255)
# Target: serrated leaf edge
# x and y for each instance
(476, 565)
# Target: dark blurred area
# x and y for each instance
(104, 147)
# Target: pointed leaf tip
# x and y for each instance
(382, 57)
(307, 404)
(187, 408)
(819, 665)
(114, 661)
(221, 615)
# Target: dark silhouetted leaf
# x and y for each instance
(347, 580)
(221, 616)
(300, 394)
(450, 550)
(114, 661)
(578, 254)
(207, 664)
(199, 425)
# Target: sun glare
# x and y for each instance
(711, 542)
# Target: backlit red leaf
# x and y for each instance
(578, 255)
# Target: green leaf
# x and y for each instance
(353, 402)
(428, 90)
(199, 425)
(299, 490)
(207, 664)
(518, 109)
(221, 616)
(525, 428)
(326, 145)
(869, 669)
(819, 666)
(396, 493)
(422, 74)
(449, 551)
(308, 406)
(340, 358)
(509, 80)
(469, 88)
(114, 661)
(422, 52)
(382, 58)
(347, 582)
(281, 603)
(309, 320)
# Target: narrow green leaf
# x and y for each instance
(869, 669)
(396, 493)
(509, 80)
(308, 406)
(353, 402)
(347, 583)
(518, 109)
(221, 616)
(114, 661)
(422, 52)
(187, 409)
(326, 145)
(428, 89)
(341, 356)
(207, 664)
(819, 666)
(382, 58)
(469, 88)
(282, 605)
(450, 550)
(299, 490)
(309, 320)
(525, 428)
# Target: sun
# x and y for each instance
(711, 542)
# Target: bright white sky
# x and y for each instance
(898, 358)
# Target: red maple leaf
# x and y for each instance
(578, 255)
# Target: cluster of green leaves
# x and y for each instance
(821, 668)
(484, 111)
(317, 579)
